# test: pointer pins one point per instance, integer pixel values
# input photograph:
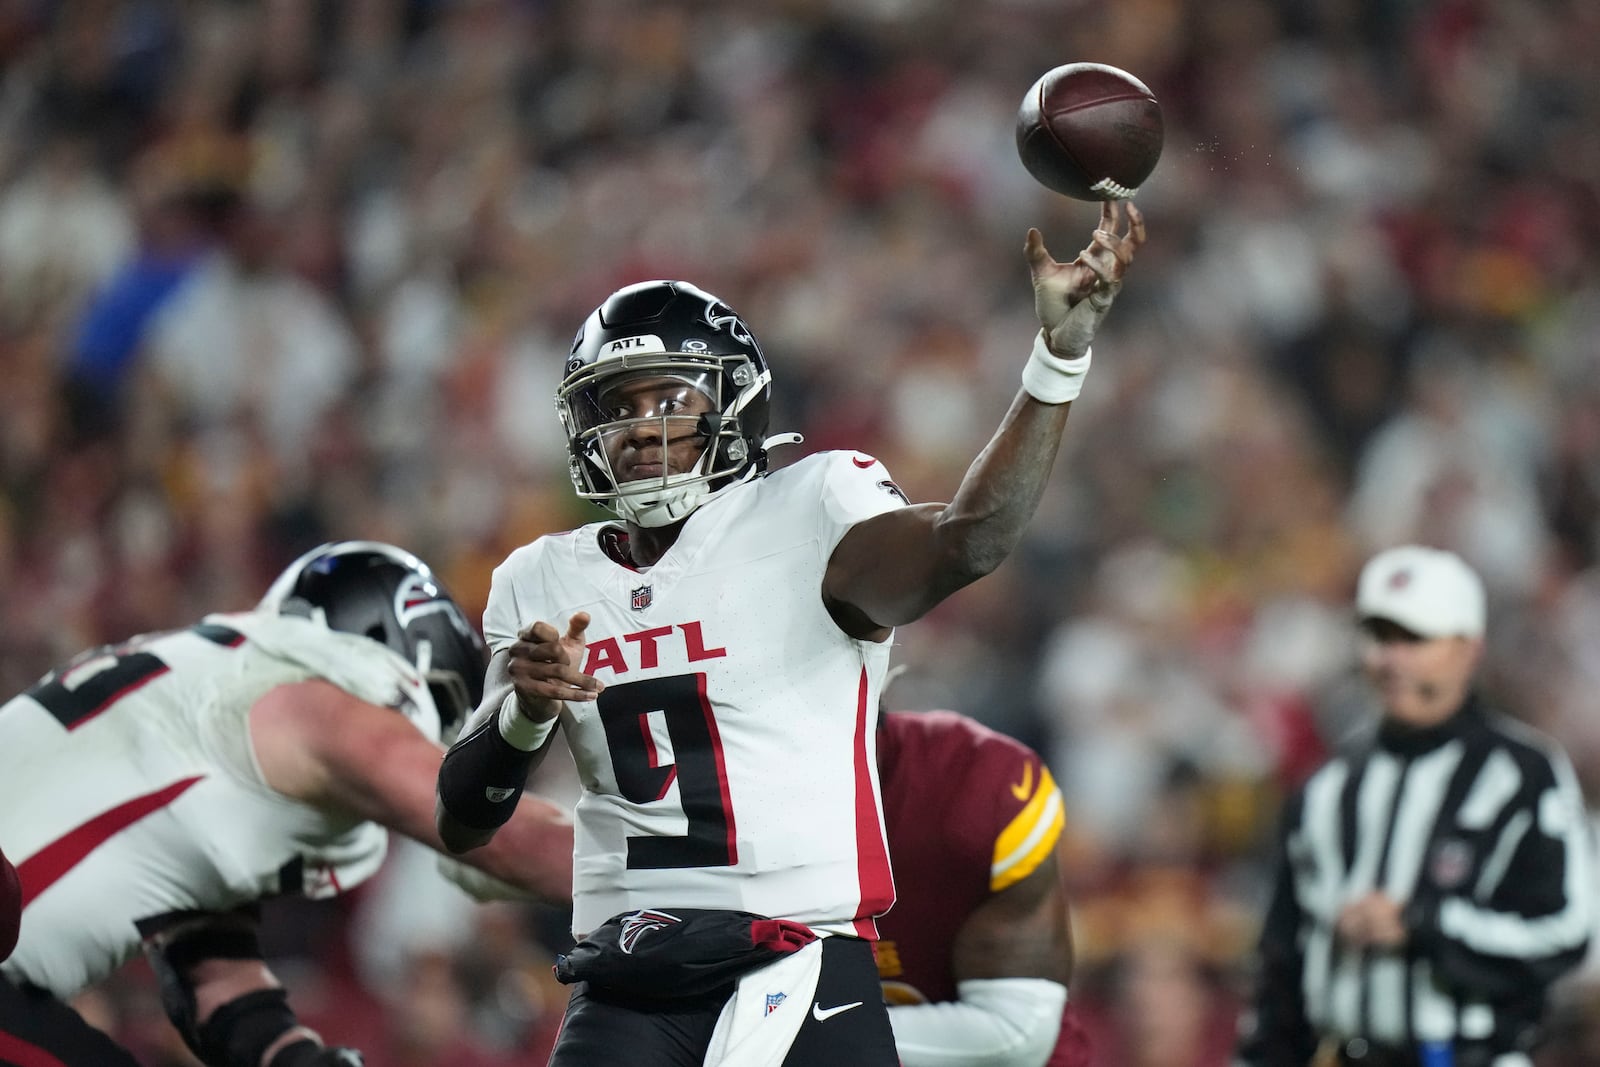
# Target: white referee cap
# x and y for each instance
(1431, 592)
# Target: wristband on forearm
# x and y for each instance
(519, 730)
(1052, 379)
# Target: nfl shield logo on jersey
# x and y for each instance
(1451, 863)
(773, 1000)
(641, 598)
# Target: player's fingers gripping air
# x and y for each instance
(1099, 267)
(1111, 250)
(1071, 299)
(1056, 286)
(547, 664)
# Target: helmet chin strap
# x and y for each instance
(675, 503)
(664, 509)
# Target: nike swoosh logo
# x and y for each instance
(863, 462)
(1021, 790)
(821, 1014)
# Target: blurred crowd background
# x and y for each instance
(274, 273)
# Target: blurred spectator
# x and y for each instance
(1162, 1005)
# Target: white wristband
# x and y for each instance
(1050, 379)
(519, 730)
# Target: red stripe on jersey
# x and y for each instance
(17, 1051)
(722, 768)
(42, 869)
(872, 855)
(654, 756)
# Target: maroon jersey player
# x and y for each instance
(976, 954)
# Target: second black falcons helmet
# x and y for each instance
(389, 595)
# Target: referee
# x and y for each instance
(1433, 879)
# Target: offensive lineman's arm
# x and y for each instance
(318, 744)
(1011, 960)
(894, 567)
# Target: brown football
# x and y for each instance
(1089, 131)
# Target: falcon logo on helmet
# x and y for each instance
(418, 595)
(721, 317)
(703, 343)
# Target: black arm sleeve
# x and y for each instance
(480, 781)
(1277, 1031)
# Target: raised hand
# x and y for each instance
(545, 668)
(1072, 298)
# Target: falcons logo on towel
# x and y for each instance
(640, 923)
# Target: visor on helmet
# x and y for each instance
(646, 394)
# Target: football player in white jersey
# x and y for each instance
(153, 792)
(715, 661)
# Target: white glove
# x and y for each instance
(480, 885)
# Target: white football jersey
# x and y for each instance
(731, 761)
(129, 788)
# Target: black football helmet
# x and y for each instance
(667, 329)
(387, 594)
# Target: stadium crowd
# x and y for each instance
(292, 271)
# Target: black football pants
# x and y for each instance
(605, 1030)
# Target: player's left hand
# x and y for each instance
(1071, 299)
(544, 665)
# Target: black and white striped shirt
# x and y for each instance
(1477, 828)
